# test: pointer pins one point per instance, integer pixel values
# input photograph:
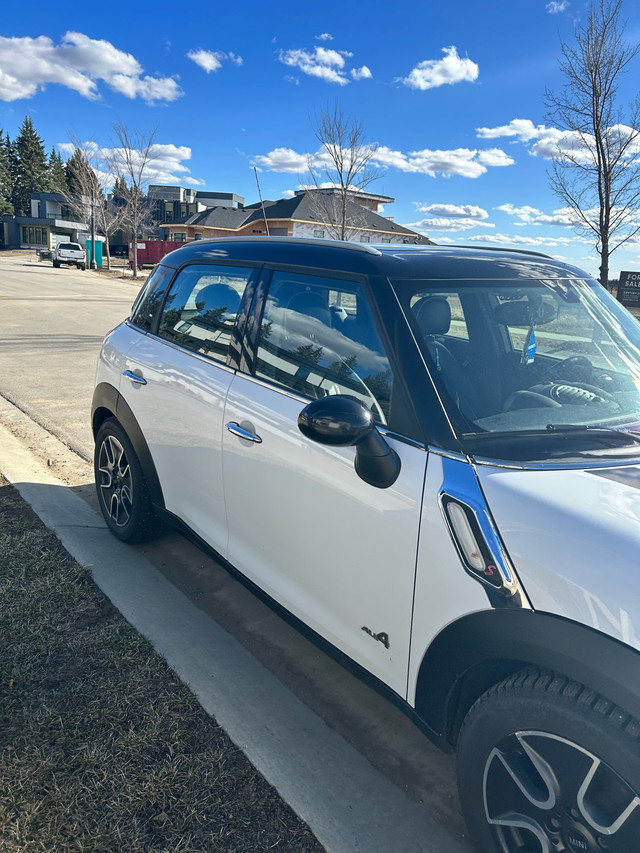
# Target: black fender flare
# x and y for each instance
(108, 402)
(478, 650)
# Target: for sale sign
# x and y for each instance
(629, 289)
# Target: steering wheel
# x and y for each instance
(555, 395)
(575, 367)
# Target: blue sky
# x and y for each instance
(453, 94)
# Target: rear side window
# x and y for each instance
(201, 307)
(148, 300)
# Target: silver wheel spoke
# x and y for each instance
(543, 793)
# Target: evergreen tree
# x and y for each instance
(6, 205)
(76, 172)
(57, 173)
(32, 171)
(120, 189)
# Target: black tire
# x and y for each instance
(122, 490)
(546, 764)
(56, 264)
(82, 267)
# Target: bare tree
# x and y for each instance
(129, 162)
(596, 172)
(85, 194)
(340, 170)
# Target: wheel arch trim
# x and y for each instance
(108, 402)
(478, 650)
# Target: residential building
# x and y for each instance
(52, 221)
(304, 215)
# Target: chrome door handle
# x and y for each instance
(236, 429)
(129, 374)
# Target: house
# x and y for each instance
(172, 203)
(52, 221)
(310, 213)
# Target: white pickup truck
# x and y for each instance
(69, 253)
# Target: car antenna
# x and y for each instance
(264, 215)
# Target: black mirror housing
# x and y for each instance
(342, 421)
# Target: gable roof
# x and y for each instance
(301, 208)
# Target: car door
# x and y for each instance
(338, 553)
(176, 382)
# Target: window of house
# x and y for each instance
(201, 308)
(318, 232)
(365, 238)
(318, 338)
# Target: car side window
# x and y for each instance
(318, 337)
(148, 300)
(201, 308)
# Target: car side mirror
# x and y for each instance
(341, 421)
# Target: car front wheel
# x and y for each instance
(546, 764)
(122, 490)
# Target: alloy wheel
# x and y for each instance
(544, 793)
(115, 486)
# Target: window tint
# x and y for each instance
(318, 337)
(148, 300)
(201, 308)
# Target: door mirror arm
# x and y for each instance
(342, 421)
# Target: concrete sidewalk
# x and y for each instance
(349, 805)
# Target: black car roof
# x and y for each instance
(396, 260)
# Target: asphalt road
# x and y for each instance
(52, 322)
(51, 326)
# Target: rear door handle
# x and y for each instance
(129, 374)
(236, 429)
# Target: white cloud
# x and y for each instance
(194, 182)
(322, 62)
(556, 6)
(445, 224)
(78, 62)
(440, 72)
(522, 129)
(495, 157)
(282, 160)
(165, 164)
(363, 73)
(211, 60)
(206, 59)
(521, 240)
(465, 162)
(550, 142)
(524, 214)
(325, 63)
(324, 37)
(527, 215)
(454, 211)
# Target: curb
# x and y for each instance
(348, 805)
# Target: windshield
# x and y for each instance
(540, 358)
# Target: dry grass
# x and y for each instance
(101, 747)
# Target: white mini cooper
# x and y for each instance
(430, 458)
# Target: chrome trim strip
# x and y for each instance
(470, 495)
(448, 454)
(583, 465)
